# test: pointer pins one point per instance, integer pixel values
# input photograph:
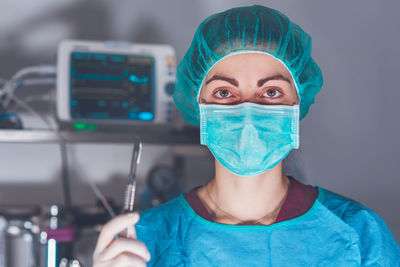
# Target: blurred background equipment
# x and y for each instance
(26, 77)
(107, 92)
(163, 184)
(111, 83)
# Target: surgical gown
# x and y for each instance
(336, 231)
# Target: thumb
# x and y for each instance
(115, 226)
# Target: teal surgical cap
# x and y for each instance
(246, 29)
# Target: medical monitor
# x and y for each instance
(115, 83)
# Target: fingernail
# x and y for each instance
(148, 256)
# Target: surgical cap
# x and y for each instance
(246, 29)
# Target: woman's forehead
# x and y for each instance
(237, 64)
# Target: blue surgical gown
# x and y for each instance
(336, 231)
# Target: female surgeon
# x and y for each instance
(247, 79)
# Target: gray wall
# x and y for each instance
(349, 141)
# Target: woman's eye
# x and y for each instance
(223, 93)
(272, 93)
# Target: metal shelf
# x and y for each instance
(149, 135)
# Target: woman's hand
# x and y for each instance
(122, 251)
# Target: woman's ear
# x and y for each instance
(201, 98)
(202, 101)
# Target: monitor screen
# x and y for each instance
(111, 86)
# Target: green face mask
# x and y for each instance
(249, 139)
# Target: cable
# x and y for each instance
(7, 90)
(65, 175)
(33, 98)
(10, 86)
(38, 69)
(37, 81)
(101, 197)
(28, 108)
(66, 184)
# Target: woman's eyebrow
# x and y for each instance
(275, 77)
(219, 77)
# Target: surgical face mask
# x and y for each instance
(249, 139)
